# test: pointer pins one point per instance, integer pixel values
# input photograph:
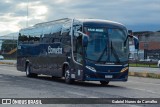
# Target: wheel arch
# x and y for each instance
(65, 64)
(26, 64)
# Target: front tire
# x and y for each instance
(28, 72)
(67, 76)
(104, 82)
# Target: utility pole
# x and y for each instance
(27, 13)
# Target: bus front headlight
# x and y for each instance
(124, 69)
(91, 68)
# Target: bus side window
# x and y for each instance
(79, 45)
(45, 38)
(77, 48)
(23, 39)
(66, 39)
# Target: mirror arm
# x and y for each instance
(136, 42)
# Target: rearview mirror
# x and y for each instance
(130, 33)
(84, 38)
(135, 39)
(136, 42)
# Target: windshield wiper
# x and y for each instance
(125, 41)
(114, 53)
(105, 50)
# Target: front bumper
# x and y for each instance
(103, 76)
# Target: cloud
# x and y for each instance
(136, 15)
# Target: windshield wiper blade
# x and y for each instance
(105, 50)
(114, 53)
(125, 41)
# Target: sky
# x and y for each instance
(137, 15)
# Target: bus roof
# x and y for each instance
(86, 22)
(101, 23)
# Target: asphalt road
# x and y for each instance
(14, 84)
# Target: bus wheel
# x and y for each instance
(54, 77)
(28, 72)
(104, 82)
(67, 75)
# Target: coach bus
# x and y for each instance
(76, 49)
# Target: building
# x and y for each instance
(149, 45)
(9, 40)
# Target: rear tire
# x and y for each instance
(104, 82)
(28, 72)
(54, 77)
(67, 76)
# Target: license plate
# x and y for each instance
(108, 76)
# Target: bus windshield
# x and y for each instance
(106, 45)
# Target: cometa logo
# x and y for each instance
(54, 50)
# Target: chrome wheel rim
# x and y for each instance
(27, 71)
(67, 74)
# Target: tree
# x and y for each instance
(8, 45)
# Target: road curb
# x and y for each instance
(7, 63)
(145, 74)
